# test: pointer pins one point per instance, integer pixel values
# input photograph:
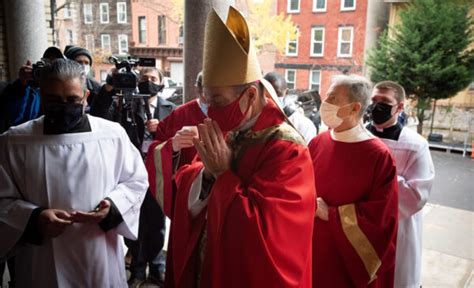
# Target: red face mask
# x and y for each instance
(228, 117)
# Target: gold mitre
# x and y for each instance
(229, 56)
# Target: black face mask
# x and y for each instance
(63, 117)
(380, 112)
(149, 87)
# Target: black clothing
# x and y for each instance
(392, 132)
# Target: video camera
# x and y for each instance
(50, 54)
(131, 106)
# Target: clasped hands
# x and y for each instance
(53, 222)
(212, 148)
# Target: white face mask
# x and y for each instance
(282, 101)
(87, 69)
(203, 107)
(329, 115)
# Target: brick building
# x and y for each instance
(333, 38)
(102, 26)
(158, 33)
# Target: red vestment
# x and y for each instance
(159, 162)
(259, 218)
(358, 181)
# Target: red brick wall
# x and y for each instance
(331, 20)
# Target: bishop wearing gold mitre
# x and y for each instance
(244, 209)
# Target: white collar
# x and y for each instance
(249, 124)
(357, 133)
(154, 101)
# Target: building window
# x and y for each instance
(123, 43)
(90, 42)
(319, 5)
(67, 11)
(121, 12)
(290, 77)
(88, 13)
(348, 5)
(293, 6)
(104, 13)
(142, 29)
(181, 35)
(69, 37)
(105, 43)
(161, 29)
(292, 45)
(344, 43)
(315, 80)
(317, 41)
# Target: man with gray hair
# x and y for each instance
(415, 171)
(70, 185)
(355, 228)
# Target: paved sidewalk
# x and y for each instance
(448, 247)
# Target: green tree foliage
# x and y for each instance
(429, 52)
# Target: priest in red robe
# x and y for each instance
(355, 228)
(244, 211)
(173, 148)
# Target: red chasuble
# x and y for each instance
(159, 162)
(256, 230)
(358, 181)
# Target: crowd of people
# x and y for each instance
(255, 197)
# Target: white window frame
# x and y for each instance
(287, 53)
(91, 13)
(90, 42)
(286, 78)
(100, 13)
(124, 4)
(315, 9)
(339, 42)
(311, 82)
(70, 36)
(288, 8)
(348, 8)
(120, 51)
(313, 30)
(102, 43)
(67, 13)
(140, 30)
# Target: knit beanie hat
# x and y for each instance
(71, 52)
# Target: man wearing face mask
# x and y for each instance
(243, 215)
(147, 249)
(355, 228)
(84, 57)
(63, 207)
(415, 177)
(299, 120)
(173, 147)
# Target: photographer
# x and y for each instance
(20, 100)
(147, 250)
(84, 57)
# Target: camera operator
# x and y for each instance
(84, 57)
(147, 250)
(20, 100)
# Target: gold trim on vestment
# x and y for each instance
(239, 141)
(359, 241)
(160, 186)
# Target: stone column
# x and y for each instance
(26, 32)
(377, 20)
(195, 14)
